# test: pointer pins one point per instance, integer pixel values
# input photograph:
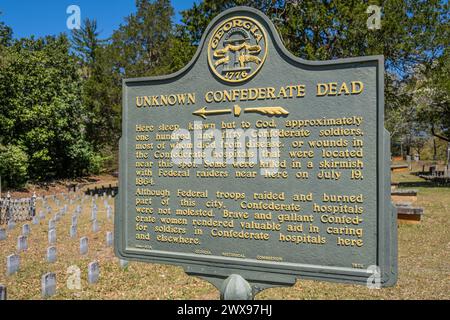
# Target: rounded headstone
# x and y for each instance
(235, 287)
(12, 264)
(48, 284)
(3, 234)
(3, 295)
(51, 254)
(93, 272)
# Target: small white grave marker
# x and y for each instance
(48, 284)
(83, 245)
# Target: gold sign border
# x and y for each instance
(210, 62)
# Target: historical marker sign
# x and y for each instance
(251, 161)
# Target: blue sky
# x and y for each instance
(48, 17)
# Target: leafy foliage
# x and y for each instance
(433, 97)
(5, 34)
(13, 166)
(63, 110)
(140, 46)
(100, 88)
(86, 42)
(412, 33)
(146, 44)
(40, 108)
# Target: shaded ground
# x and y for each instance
(57, 187)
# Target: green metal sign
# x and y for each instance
(253, 164)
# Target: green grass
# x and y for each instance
(424, 263)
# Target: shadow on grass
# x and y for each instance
(423, 184)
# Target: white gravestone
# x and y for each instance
(51, 224)
(108, 213)
(25, 229)
(22, 244)
(3, 295)
(73, 231)
(93, 272)
(12, 264)
(109, 239)
(94, 214)
(83, 245)
(48, 284)
(2, 234)
(94, 226)
(52, 236)
(51, 254)
(11, 225)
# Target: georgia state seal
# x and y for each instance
(237, 49)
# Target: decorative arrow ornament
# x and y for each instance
(236, 110)
(203, 112)
(272, 111)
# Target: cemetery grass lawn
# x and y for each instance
(424, 262)
(423, 256)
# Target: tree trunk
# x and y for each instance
(434, 150)
(438, 135)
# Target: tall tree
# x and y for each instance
(98, 87)
(41, 110)
(5, 34)
(144, 45)
(412, 33)
(432, 96)
(195, 20)
(86, 42)
(141, 44)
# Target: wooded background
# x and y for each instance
(60, 96)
